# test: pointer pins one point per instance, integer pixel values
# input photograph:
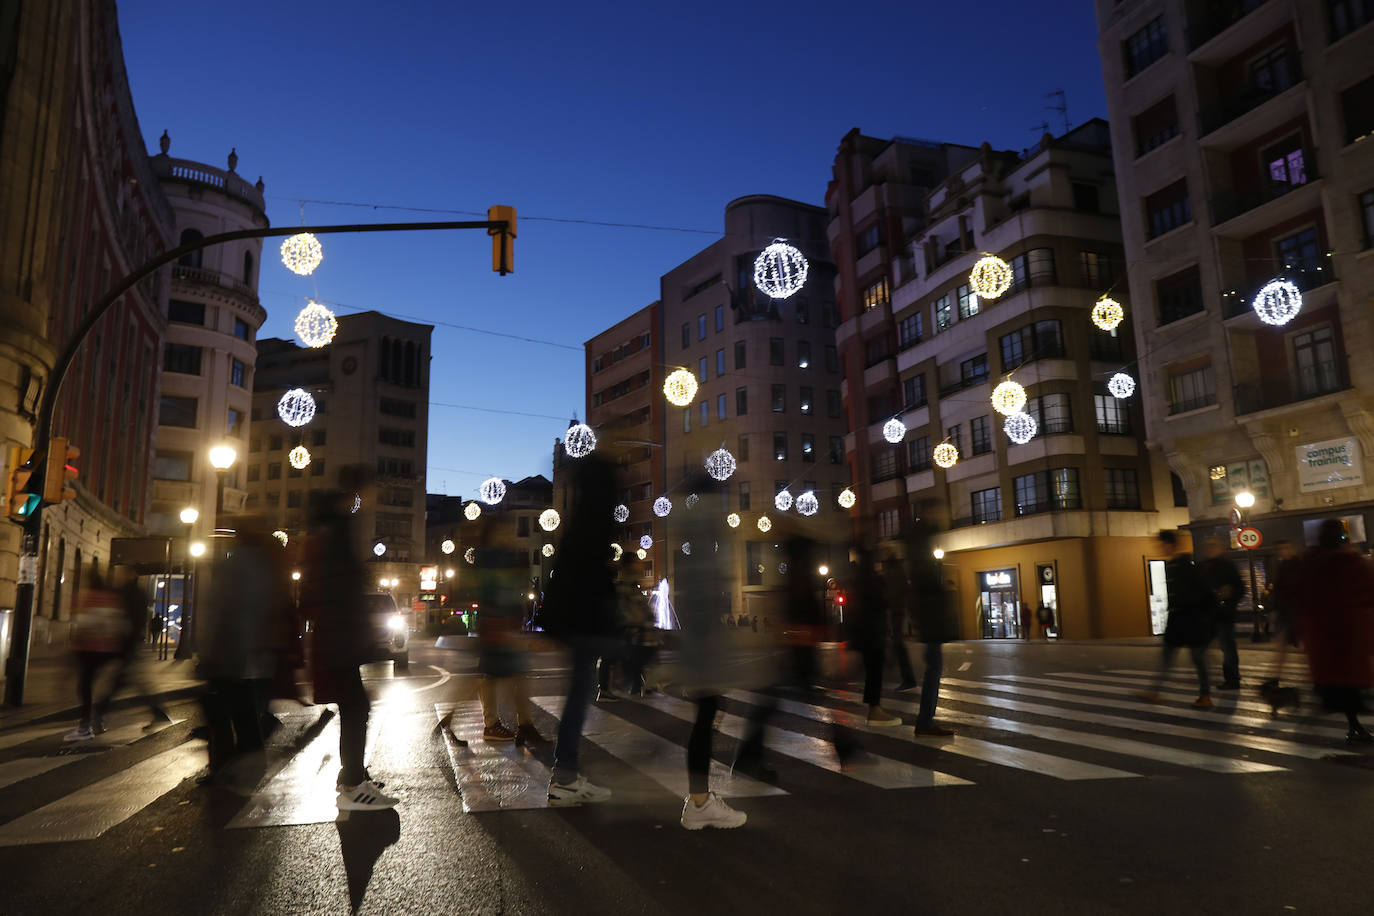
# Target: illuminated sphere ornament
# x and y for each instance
(1008, 398)
(622, 513)
(720, 464)
(894, 430)
(662, 506)
(378, 549)
(1107, 313)
(765, 523)
(296, 407)
(470, 555)
(641, 553)
(687, 548)
(301, 253)
(448, 546)
(493, 490)
(1121, 386)
(780, 270)
(357, 504)
(548, 519)
(617, 552)
(1020, 428)
(281, 536)
(783, 501)
(472, 511)
(547, 550)
(646, 542)
(316, 325)
(945, 455)
(782, 569)
(732, 519)
(808, 504)
(680, 387)
(990, 277)
(299, 457)
(846, 499)
(579, 441)
(691, 500)
(1278, 303)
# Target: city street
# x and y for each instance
(1062, 792)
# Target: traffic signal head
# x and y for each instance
(22, 487)
(61, 471)
(502, 240)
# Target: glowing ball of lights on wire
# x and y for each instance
(448, 546)
(378, 549)
(783, 501)
(782, 568)
(1108, 313)
(691, 500)
(472, 511)
(547, 550)
(617, 552)
(1121, 386)
(807, 504)
(281, 536)
(720, 464)
(470, 555)
(493, 490)
(579, 441)
(945, 455)
(296, 407)
(316, 325)
(990, 277)
(780, 270)
(646, 542)
(1008, 398)
(894, 430)
(680, 387)
(732, 519)
(622, 513)
(357, 504)
(1020, 428)
(301, 253)
(765, 523)
(299, 457)
(548, 519)
(641, 553)
(662, 506)
(1278, 302)
(846, 499)
(686, 548)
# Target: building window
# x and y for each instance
(870, 238)
(1145, 46)
(185, 312)
(1285, 163)
(837, 449)
(1085, 197)
(1314, 359)
(876, 295)
(1367, 217)
(274, 443)
(803, 354)
(779, 446)
(877, 349)
(807, 396)
(1156, 125)
(741, 402)
(889, 523)
(808, 448)
(705, 408)
(742, 453)
(1032, 268)
(191, 258)
(233, 423)
(1046, 491)
(701, 369)
(1345, 16)
(317, 467)
(740, 361)
(1191, 389)
(318, 437)
(256, 444)
(1097, 269)
(687, 419)
(720, 318)
(1123, 490)
(175, 411)
(974, 370)
(914, 392)
(402, 438)
(720, 407)
(293, 471)
(182, 358)
(909, 331)
(1107, 346)
(775, 354)
(701, 327)
(720, 362)
(686, 334)
(832, 358)
(918, 454)
(942, 313)
(968, 302)
(952, 434)
(397, 408)
(241, 330)
(1168, 209)
(744, 496)
(1179, 295)
(1299, 251)
(803, 313)
(987, 505)
(236, 373)
(172, 465)
(883, 465)
(254, 471)
(1042, 340)
(829, 316)
(779, 399)
(1052, 414)
(1113, 417)
(274, 471)
(981, 434)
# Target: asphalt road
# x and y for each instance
(1063, 794)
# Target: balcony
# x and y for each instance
(1048, 505)
(1190, 404)
(1239, 214)
(198, 173)
(1306, 279)
(971, 381)
(205, 275)
(1214, 20)
(1307, 383)
(1222, 112)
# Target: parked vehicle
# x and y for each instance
(390, 628)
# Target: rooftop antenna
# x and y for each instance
(1062, 106)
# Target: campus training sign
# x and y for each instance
(1329, 465)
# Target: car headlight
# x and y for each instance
(396, 624)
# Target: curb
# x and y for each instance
(19, 720)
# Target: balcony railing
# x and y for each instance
(1217, 18)
(214, 277)
(1307, 383)
(1197, 403)
(1048, 505)
(1229, 204)
(1227, 109)
(961, 384)
(1305, 278)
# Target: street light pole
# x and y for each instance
(185, 642)
(1244, 501)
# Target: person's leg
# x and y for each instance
(1199, 654)
(565, 755)
(353, 712)
(873, 674)
(244, 709)
(85, 685)
(218, 724)
(486, 692)
(930, 684)
(903, 656)
(1230, 656)
(1166, 661)
(603, 679)
(699, 749)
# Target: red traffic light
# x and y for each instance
(839, 599)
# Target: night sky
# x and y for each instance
(639, 113)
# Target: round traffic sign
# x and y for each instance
(1249, 538)
(1235, 518)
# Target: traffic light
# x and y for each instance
(21, 487)
(61, 470)
(502, 241)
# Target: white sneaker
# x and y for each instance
(577, 792)
(715, 813)
(365, 796)
(881, 718)
(80, 733)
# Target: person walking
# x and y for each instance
(1191, 622)
(501, 659)
(868, 631)
(1223, 578)
(935, 624)
(99, 634)
(897, 595)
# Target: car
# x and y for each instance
(391, 629)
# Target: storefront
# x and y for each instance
(999, 604)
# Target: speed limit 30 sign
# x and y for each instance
(1249, 538)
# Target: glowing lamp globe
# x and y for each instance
(548, 519)
(299, 457)
(780, 270)
(680, 387)
(378, 549)
(472, 512)
(662, 506)
(1108, 313)
(1008, 398)
(448, 546)
(732, 519)
(1278, 302)
(579, 441)
(807, 504)
(990, 277)
(782, 501)
(1020, 428)
(547, 550)
(1245, 499)
(720, 464)
(470, 555)
(617, 552)
(622, 513)
(765, 523)
(641, 553)
(316, 325)
(301, 253)
(847, 499)
(1121, 386)
(691, 500)
(296, 407)
(198, 550)
(945, 455)
(894, 430)
(493, 490)
(222, 457)
(189, 515)
(646, 542)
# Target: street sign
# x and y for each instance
(1249, 538)
(1235, 518)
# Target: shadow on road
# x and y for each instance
(363, 837)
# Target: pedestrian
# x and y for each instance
(99, 631)
(1191, 620)
(897, 595)
(500, 657)
(868, 631)
(1223, 578)
(1335, 623)
(641, 637)
(1283, 597)
(935, 624)
(332, 589)
(134, 601)
(1044, 614)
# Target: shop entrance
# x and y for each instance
(1047, 611)
(1159, 596)
(999, 604)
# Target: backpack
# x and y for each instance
(100, 624)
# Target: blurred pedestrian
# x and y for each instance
(1283, 597)
(642, 637)
(935, 622)
(100, 629)
(501, 662)
(1223, 578)
(897, 594)
(1044, 614)
(1191, 622)
(868, 629)
(128, 667)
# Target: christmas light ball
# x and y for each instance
(720, 464)
(808, 504)
(1020, 428)
(783, 501)
(1108, 313)
(448, 546)
(1008, 398)
(579, 441)
(894, 430)
(1278, 302)
(765, 523)
(646, 542)
(299, 457)
(780, 270)
(687, 548)
(281, 536)
(662, 506)
(470, 555)
(301, 253)
(622, 513)
(316, 325)
(617, 552)
(357, 504)
(472, 511)
(641, 553)
(847, 499)
(1121, 386)
(548, 519)
(378, 549)
(680, 387)
(782, 568)
(732, 519)
(547, 550)
(691, 500)
(990, 277)
(296, 407)
(945, 455)
(493, 490)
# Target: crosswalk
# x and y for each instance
(1063, 727)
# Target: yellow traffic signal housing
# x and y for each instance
(20, 496)
(61, 470)
(502, 241)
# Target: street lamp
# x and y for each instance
(189, 516)
(823, 570)
(222, 458)
(938, 553)
(1245, 500)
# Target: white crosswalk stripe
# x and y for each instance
(491, 776)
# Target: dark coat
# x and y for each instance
(1192, 606)
(932, 605)
(580, 600)
(1334, 602)
(1224, 581)
(332, 588)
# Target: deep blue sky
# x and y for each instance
(627, 112)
